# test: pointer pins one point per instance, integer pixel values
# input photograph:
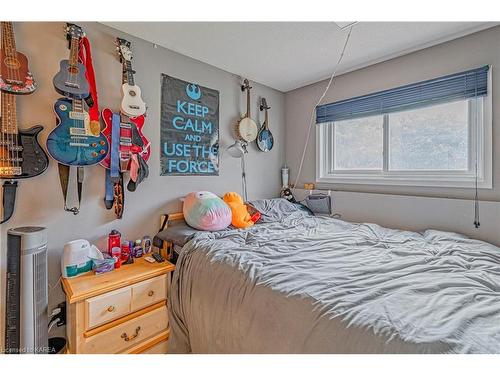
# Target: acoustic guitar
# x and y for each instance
(76, 141)
(20, 153)
(70, 81)
(132, 103)
(15, 76)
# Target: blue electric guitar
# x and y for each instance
(76, 141)
(70, 81)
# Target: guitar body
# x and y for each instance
(132, 103)
(15, 76)
(71, 81)
(72, 142)
(125, 150)
(34, 159)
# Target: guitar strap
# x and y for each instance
(115, 148)
(9, 189)
(114, 178)
(85, 56)
(109, 195)
(64, 179)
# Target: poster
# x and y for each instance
(189, 129)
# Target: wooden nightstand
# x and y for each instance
(123, 311)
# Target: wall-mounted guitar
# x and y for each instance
(246, 128)
(127, 142)
(15, 76)
(132, 103)
(132, 140)
(70, 81)
(265, 139)
(76, 141)
(20, 153)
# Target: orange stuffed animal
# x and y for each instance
(240, 216)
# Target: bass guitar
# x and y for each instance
(20, 153)
(132, 103)
(70, 81)
(15, 76)
(76, 141)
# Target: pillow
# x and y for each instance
(277, 209)
(206, 211)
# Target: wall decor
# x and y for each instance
(189, 129)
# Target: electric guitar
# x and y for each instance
(131, 140)
(132, 103)
(20, 153)
(15, 76)
(76, 141)
(70, 81)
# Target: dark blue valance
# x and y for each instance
(469, 84)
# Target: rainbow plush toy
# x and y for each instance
(206, 211)
(240, 216)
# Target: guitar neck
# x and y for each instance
(73, 54)
(9, 114)
(248, 101)
(128, 73)
(8, 41)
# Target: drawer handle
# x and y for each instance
(151, 292)
(111, 308)
(126, 338)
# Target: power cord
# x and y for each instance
(318, 103)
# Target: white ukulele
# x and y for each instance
(132, 103)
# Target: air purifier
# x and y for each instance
(26, 313)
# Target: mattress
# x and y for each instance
(305, 284)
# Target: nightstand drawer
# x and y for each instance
(149, 292)
(128, 334)
(107, 307)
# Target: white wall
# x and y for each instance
(461, 54)
(39, 199)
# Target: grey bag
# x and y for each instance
(319, 203)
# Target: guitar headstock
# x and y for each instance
(74, 31)
(123, 48)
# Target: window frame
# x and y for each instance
(480, 135)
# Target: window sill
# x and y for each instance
(454, 181)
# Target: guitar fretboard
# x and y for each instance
(8, 41)
(9, 113)
(73, 54)
(128, 73)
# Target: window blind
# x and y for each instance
(464, 85)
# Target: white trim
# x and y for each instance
(480, 136)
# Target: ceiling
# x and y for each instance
(288, 55)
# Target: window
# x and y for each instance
(444, 144)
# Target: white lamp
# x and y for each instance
(238, 150)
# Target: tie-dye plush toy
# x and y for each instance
(206, 211)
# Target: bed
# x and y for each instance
(298, 283)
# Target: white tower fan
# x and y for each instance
(27, 291)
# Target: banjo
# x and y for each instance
(265, 139)
(246, 128)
